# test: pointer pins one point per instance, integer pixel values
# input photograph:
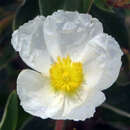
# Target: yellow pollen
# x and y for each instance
(66, 76)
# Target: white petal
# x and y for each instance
(82, 106)
(36, 96)
(86, 109)
(39, 100)
(102, 61)
(66, 33)
(28, 40)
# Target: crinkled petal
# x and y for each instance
(82, 106)
(66, 33)
(38, 99)
(86, 109)
(102, 61)
(36, 95)
(28, 40)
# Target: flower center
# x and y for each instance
(66, 76)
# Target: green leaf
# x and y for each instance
(23, 117)
(25, 123)
(9, 119)
(113, 24)
(47, 7)
(102, 4)
(117, 108)
(87, 4)
(27, 11)
(73, 5)
(114, 115)
(118, 97)
(35, 123)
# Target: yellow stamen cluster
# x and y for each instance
(66, 76)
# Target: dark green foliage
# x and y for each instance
(47, 7)
(27, 11)
(9, 119)
(38, 124)
(118, 96)
(114, 117)
(116, 109)
(114, 24)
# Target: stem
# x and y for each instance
(90, 5)
(59, 125)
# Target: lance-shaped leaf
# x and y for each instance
(117, 107)
(118, 96)
(114, 115)
(35, 123)
(103, 5)
(47, 7)
(9, 119)
(113, 24)
(23, 117)
(27, 11)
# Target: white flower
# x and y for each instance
(73, 61)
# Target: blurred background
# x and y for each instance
(114, 114)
